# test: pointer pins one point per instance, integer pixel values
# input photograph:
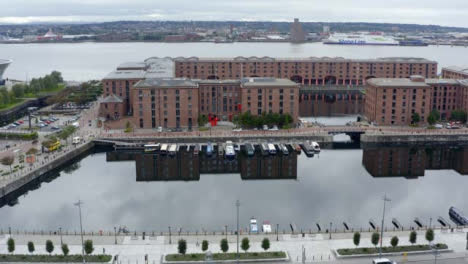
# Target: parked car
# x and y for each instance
(265, 127)
(54, 127)
(20, 121)
(438, 126)
(383, 261)
(239, 129)
(274, 128)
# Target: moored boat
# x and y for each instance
(315, 146)
(264, 149)
(209, 149)
(151, 147)
(173, 149)
(308, 150)
(249, 149)
(271, 149)
(284, 149)
(229, 151)
(164, 148)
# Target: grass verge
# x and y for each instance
(227, 256)
(54, 258)
(15, 102)
(368, 251)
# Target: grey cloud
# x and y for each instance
(449, 13)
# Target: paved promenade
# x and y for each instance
(132, 249)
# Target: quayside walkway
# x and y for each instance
(319, 247)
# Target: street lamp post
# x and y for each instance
(330, 231)
(115, 235)
(60, 232)
(170, 240)
(79, 203)
(385, 200)
(237, 206)
(277, 230)
(225, 230)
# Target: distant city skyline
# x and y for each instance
(444, 13)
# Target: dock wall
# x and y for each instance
(236, 139)
(22, 180)
(414, 138)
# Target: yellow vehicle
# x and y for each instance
(53, 146)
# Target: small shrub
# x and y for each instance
(204, 245)
(88, 247)
(182, 246)
(11, 245)
(49, 246)
(224, 245)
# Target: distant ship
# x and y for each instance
(413, 42)
(360, 39)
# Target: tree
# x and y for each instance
(245, 245)
(31, 247)
(65, 249)
(49, 246)
(202, 120)
(265, 244)
(357, 238)
(204, 245)
(18, 90)
(431, 119)
(436, 114)
(32, 151)
(430, 235)
(415, 118)
(458, 115)
(11, 245)
(224, 245)
(7, 161)
(88, 247)
(375, 238)
(413, 237)
(394, 242)
(182, 246)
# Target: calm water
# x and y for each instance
(84, 61)
(146, 191)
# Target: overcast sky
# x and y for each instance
(439, 12)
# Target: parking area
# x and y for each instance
(46, 124)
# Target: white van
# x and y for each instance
(77, 140)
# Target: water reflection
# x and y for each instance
(187, 166)
(412, 161)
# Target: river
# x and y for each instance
(89, 60)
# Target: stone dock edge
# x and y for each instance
(36, 173)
